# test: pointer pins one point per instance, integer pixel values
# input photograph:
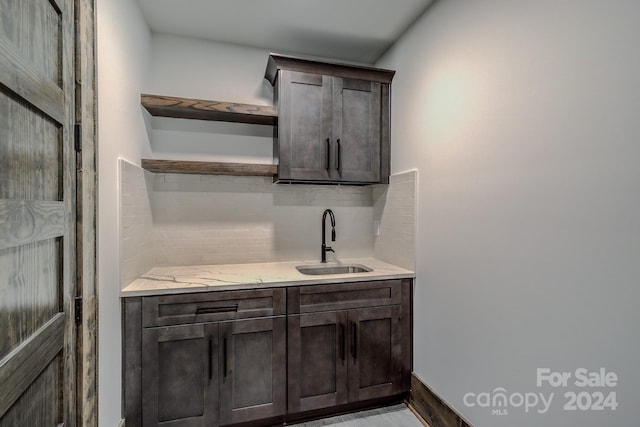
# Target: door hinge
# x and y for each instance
(77, 136)
(78, 310)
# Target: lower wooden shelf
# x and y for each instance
(187, 108)
(209, 168)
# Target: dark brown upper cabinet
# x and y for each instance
(333, 121)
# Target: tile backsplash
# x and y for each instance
(395, 212)
(179, 219)
(136, 225)
(203, 219)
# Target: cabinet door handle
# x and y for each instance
(338, 155)
(210, 358)
(328, 153)
(224, 356)
(354, 342)
(343, 342)
(213, 310)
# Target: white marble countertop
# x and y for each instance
(202, 278)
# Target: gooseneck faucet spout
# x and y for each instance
(326, 248)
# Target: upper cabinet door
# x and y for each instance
(356, 130)
(304, 126)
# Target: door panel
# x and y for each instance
(317, 360)
(22, 368)
(375, 352)
(39, 404)
(304, 127)
(375, 362)
(37, 213)
(30, 153)
(30, 288)
(252, 369)
(33, 28)
(180, 375)
(356, 124)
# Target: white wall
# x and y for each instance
(193, 68)
(123, 51)
(523, 120)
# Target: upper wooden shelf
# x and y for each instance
(209, 168)
(186, 108)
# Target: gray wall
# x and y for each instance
(523, 120)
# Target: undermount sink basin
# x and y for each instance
(319, 270)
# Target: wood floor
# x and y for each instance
(391, 416)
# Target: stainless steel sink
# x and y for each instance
(319, 270)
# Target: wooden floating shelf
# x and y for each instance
(186, 108)
(209, 168)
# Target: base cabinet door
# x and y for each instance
(179, 376)
(252, 366)
(346, 356)
(376, 359)
(317, 360)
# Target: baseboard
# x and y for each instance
(432, 408)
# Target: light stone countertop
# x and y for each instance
(202, 278)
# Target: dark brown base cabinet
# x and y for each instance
(203, 359)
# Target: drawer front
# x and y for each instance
(316, 298)
(165, 310)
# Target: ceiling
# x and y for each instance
(353, 30)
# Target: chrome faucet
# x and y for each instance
(326, 248)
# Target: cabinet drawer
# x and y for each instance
(315, 298)
(180, 309)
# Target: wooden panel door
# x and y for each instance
(317, 360)
(180, 376)
(304, 126)
(252, 369)
(356, 129)
(37, 213)
(376, 359)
